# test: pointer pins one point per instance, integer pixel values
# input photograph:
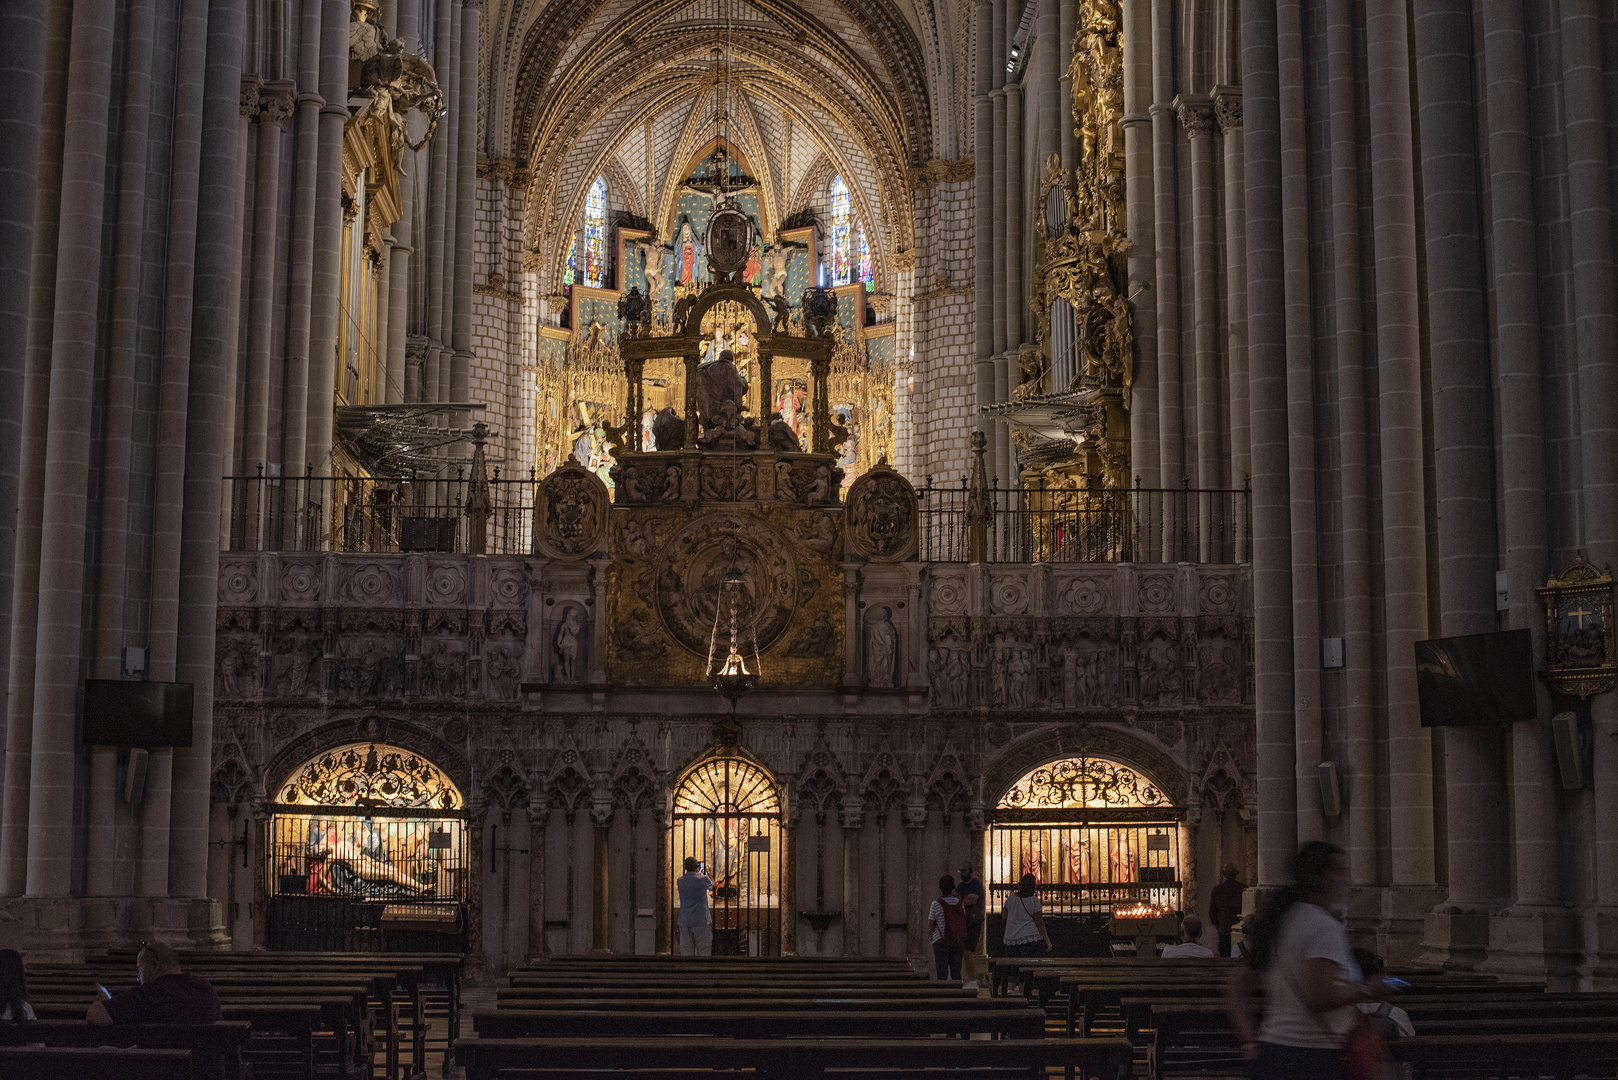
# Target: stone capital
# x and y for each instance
(249, 98)
(1196, 113)
(1227, 102)
(276, 101)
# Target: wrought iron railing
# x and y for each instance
(377, 514)
(1038, 524)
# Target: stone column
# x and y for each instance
(1299, 322)
(275, 105)
(211, 392)
(1015, 242)
(918, 940)
(999, 49)
(449, 77)
(306, 157)
(852, 821)
(1051, 73)
(24, 623)
(601, 862)
(539, 817)
(1266, 353)
(1522, 449)
(1145, 449)
(438, 192)
(1596, 337)
(22, 87)
(1359, 744)
(1228, 114)
(1067, 30)
(465, 202)
(67, 444)
(326, 277)
(1463, 439)
(1404, 545)
(983, 211)
(1196, 116)
(1165, 202)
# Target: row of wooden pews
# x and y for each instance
(1467, 1025)
(656, 1018)
(295, 1015)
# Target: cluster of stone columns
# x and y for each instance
(172, 223)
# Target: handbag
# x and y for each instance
(1361, 1048)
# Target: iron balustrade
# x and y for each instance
(1074, 525)
(376, 514)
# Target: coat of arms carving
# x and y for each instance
(881, 516)
(570, 517)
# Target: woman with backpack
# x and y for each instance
(948, 919)
(1298, 953)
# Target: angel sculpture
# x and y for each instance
(783, 313)
(396, 82)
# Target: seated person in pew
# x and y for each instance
(14, 1006)
(166, 994)
(1190, 943)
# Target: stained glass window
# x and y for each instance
(842, 220)
(595, 234)
(572, 260)
(865, 259)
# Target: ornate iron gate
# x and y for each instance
(727, 814)
(366, 852)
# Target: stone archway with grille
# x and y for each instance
(728, 816)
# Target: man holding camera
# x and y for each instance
(696, 924)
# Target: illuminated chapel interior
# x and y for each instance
(459, 458)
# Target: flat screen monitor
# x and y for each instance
(119, 712)
(1476, 679)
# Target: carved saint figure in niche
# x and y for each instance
(671, 483)
(654, 271)
(502, 669)
(565, 648)
(1159, 672)
(881, 647)
(1032, 862)
(783, 482)
(821, 485)
(1019, 683)
(687, 249)
(295, 680)
(370, 671)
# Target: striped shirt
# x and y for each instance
(935, 915)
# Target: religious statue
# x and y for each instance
(654, 270)
(1020, 672)
(565, 648)
(393, 82)
(1078, 859)
(721, 397)
(783, 313)
(687, 250)
(295, 680)
(370, 672)
(356, 862)
(881, 648)
(501, 668)
(668, 429)
(671, 482)
(775, 273)
(781, 436)
(1122, 860)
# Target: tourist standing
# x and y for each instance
(1225, 906)
(948, 921)
(973, 899)
(696, 923)
(1298, 954)
(1026, 935)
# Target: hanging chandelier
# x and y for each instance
(733, 666)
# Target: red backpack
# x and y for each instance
(954, 925)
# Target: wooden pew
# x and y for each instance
(720, 1004)
(946, 991)
(788, 1058)
(1011, 1023)
(1499, 1056)
(81, 1062)
(227, 1039)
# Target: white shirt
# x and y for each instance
(1188, 948)
(1020, 912)
(1400, 1018)
(1308, 932)
(935, 915)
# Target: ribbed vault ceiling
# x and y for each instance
(628, 88)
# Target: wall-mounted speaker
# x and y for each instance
(1569, 742)
(135, 776)
(1331, 789)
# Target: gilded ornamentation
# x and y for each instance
(1080, 248)
(881, 516)
(941, 171)
(572, 522)
(697, 559)
(1581, 651)
(1082, 784)
(371, 775)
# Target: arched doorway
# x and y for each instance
(727, 814)
(1095, 833)
(367, 853)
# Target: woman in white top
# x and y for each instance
(14, 1005)
(1299, 954)
(1025, 926)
